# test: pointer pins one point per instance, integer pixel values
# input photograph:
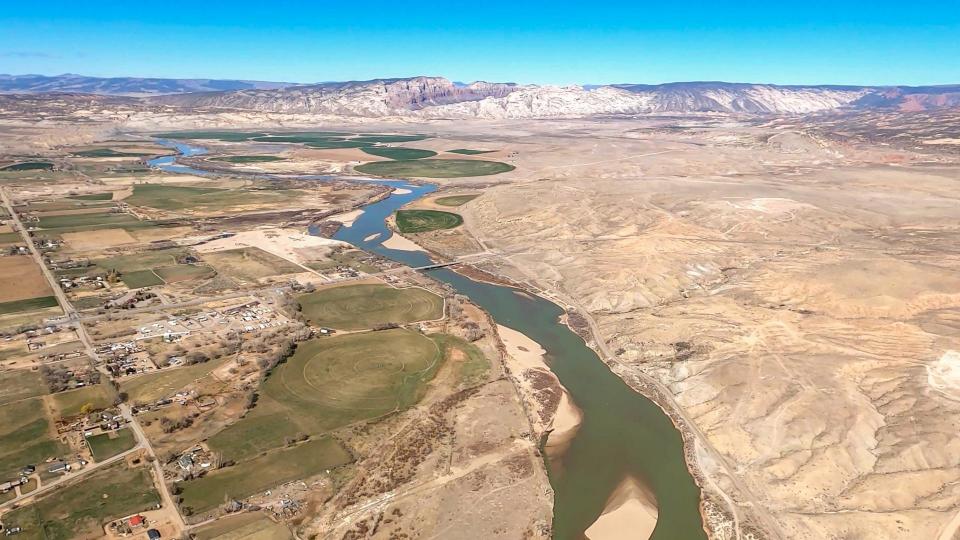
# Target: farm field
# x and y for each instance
(249, 264)
(357, 307)
(263, 472)
(142, 260)
(106, 445)
(434, 168)
(469, 152)
(109, 152)
(160, 384)
(94, 196)
(10, 238)
(29, 166)
(184, 272)
(141, 278)
(80, 510)
(228, 136)
(455, 200)
(172, 198)
(245, 526)
(26, 437)
(30, 304)
(418, 221)
(20, 384)
(98, 219)
(70, 403)
(21, 280)
(398, 154)
(331, 382)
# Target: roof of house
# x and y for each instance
(153, 534)
(136, 520)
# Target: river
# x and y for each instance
(622, 433)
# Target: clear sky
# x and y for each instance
(558, 42)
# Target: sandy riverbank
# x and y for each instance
(630, 511)
(525, 358)
(401, 243)
(347, 218)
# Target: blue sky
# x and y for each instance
(557, 42)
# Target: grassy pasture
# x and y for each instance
(184, 272)
(245, 526)
(455, 200)
(94, 197)
(469, 152)
(398, 154)
(357, 307)
(150, 387)
(173, 198)
(141, 261)
(249, 264)
(417, 221)
(331, 382)
(68, 404)
(141, 278)
(109, 152)
(434, 168)
(228, 136)
(307, 137)
(377, 138)
(26, 437)
(471, 365)
(10, 238)
(29, 166)
(20, 384)
(30, 304)
(337, 144)
(111, 219)
(106, 445)
(249, 159)
(264, 472)
(81, 509)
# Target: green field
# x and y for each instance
(99, 220)
(29, 166)
(10, 238)
(234, 136)
(263, 472)
(418, 221)
(81, 509)
(331, 382)
(169, 197)
(377, 138)
(245, 526)
(141, 261)
(30, 304)
(469, 152)
(69, 404)
(337, 144)
(306, 137)
(106, 445)
(249, 159)
(139, 279)
(150, 387)
(26, 437)
(434, 168)
(184, 272)
(455, 200)
(473, 367)
(21, 384)
(109, 152)
(94, 197)
(358, 307)
(249, 264)
(399, 153)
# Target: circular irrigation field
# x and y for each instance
(434, 168)
(358, 307)
(416, 221)
(356, 376)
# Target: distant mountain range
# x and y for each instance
(123, 86)
(436, 97)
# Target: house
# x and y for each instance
(153, 534)
(137, 521)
